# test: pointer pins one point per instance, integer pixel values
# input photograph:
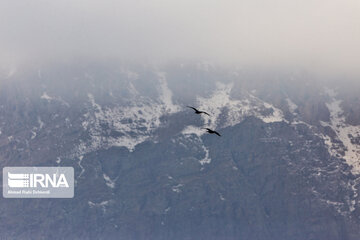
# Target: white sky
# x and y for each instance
(314, 34)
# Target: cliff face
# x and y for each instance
(285, 167)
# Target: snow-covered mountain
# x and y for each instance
(286, 167)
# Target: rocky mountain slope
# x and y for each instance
(286, 167)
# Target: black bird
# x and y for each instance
(198, 112)
(212, 131)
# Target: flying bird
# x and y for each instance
(212, 131)
(197, 111)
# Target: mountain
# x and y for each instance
(286, 167)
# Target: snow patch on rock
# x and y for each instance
(206, 159)
(166, 94)
(345, 133)
(276, 116)
(126, 126)
(177, 188)
(292, 106)
(189, 138)
(188, 130)
(46, 97)
(101, 205)
(110, 183)
(220, 105)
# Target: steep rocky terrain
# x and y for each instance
(286, 167)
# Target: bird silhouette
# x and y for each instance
(197, 111)
(212, 131)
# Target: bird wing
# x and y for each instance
(206, 113)
(192, 108)
(217, 133)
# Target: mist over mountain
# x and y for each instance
(103, 87)
(286, 166)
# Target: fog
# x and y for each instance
(317, 35)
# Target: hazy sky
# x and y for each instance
(320, 34)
